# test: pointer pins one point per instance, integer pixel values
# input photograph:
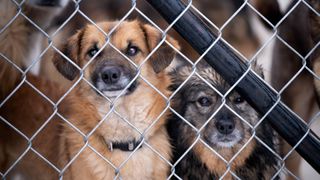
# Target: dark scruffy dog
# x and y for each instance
(225, 133)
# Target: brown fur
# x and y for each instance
(13, 48)
(215, 164)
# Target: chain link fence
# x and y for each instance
(32, 31)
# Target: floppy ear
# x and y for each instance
(164, 55)
(71, 50)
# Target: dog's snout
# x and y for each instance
(225, 126)
(111, 75)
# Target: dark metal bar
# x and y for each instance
(231, 68)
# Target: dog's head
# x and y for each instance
(114, 67)
(197, 102)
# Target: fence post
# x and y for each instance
(231, 68)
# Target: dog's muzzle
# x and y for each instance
(112, 81)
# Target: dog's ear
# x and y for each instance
(164, 55)
(71, 50)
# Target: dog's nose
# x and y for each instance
(225, 126)
(111, 75)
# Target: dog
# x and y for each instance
(20, 38)
(85, 138)
(301, 31)
(110, 73)
(19, 43)
(224, 133)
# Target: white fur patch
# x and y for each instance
(18, 176)
(228, 144)
(113, 94)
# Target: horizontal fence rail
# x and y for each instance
(231, 68)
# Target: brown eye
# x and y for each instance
(204, 101)
(238, 100)
(94, 50)
(132, 50)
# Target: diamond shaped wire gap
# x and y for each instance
(41, 98)
(180, 53)
(261, 17)
(86, 150)
(72, 15)
(287, 28)
(273, 151)
(222, 9)
(24, 167)
(18, 132)
(81, 149)
(245, 43)
(262, 58)
(153, 17)
(303, 62)
(293, 149)
(43, 140)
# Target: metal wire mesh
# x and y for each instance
(133, 7)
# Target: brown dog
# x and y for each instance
(95, 143)
(18, 40)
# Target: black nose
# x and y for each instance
(225, 126)
(111, 75)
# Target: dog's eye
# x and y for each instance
(94, 50)
(132, 50)
(238, 100)
(204, 101)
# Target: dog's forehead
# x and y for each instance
(121, 35)
(208, 76)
